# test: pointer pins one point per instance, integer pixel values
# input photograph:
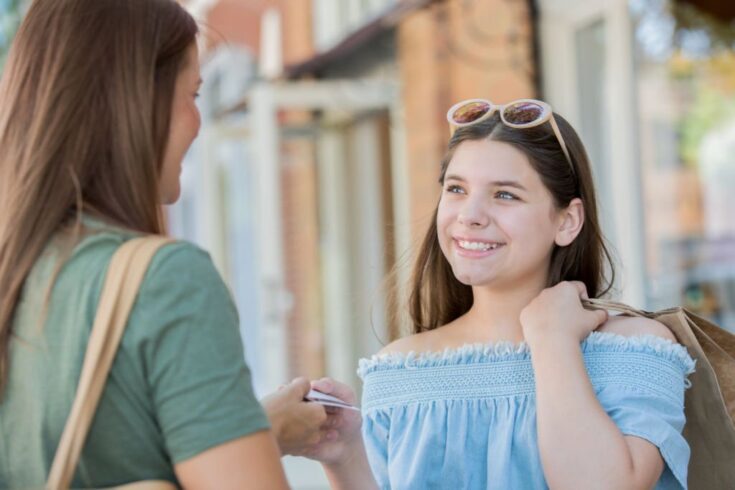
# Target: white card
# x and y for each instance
(328, 400)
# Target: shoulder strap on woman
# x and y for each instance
(122, 282)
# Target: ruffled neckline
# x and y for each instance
(510, 351)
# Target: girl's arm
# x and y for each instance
(353, 472)
(580, 445)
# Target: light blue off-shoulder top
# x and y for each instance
(466, 418)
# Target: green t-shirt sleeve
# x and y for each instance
(187, 336)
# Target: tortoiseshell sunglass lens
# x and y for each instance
(523, 113)
(470, 112)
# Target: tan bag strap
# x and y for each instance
(122, 282)
(603, 304)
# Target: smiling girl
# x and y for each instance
(507, 380)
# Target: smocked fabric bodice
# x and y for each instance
(466, 418)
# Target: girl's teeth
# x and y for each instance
(477, 245)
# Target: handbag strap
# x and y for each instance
(603, 304)
(699, 334)
(122, 282)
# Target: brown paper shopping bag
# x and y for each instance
(710, 402)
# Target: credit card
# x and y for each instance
(328, 400)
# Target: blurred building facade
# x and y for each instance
(317, 173)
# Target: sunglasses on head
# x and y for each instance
(520, 114)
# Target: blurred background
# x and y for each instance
(315, 173)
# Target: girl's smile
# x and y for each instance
(476, 248)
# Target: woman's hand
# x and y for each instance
(557, 312)
(297, 424)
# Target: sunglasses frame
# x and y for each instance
(546, 116)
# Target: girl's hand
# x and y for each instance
(341, 441)
(558, 313)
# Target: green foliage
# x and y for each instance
(10, 13)
(710, 108)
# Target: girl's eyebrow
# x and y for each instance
(495, 183)
(454, 177)
(507, 183)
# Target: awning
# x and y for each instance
(357, 39)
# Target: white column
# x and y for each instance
(400, 179)
(627, 189)
(209, 219)
(269, 219)
(368, 239)
(335, 256)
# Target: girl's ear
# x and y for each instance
(572, 219)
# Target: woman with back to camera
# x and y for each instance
(97, 109)
(507, 380)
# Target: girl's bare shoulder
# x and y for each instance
(428, 341)
(630, 326)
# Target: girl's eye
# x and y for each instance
(454, 189)
(505, 195)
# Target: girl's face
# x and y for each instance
(184, 128)
(496, 222)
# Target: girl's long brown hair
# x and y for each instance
(437, 297)
(85, 108)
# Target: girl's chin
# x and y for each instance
(470, 279)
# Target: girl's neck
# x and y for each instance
(495, 312)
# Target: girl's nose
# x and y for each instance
(473, 215)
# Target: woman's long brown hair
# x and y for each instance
(85, 109)
(437, 297)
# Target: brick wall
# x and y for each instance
(297, 30)
(238, 22)
(301, 212)
(234, 22)
(301, 250)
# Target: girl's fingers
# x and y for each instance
(581, 288)
(325, 385)
(602, 316)
(332, 422)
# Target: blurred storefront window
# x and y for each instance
(685, 83)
